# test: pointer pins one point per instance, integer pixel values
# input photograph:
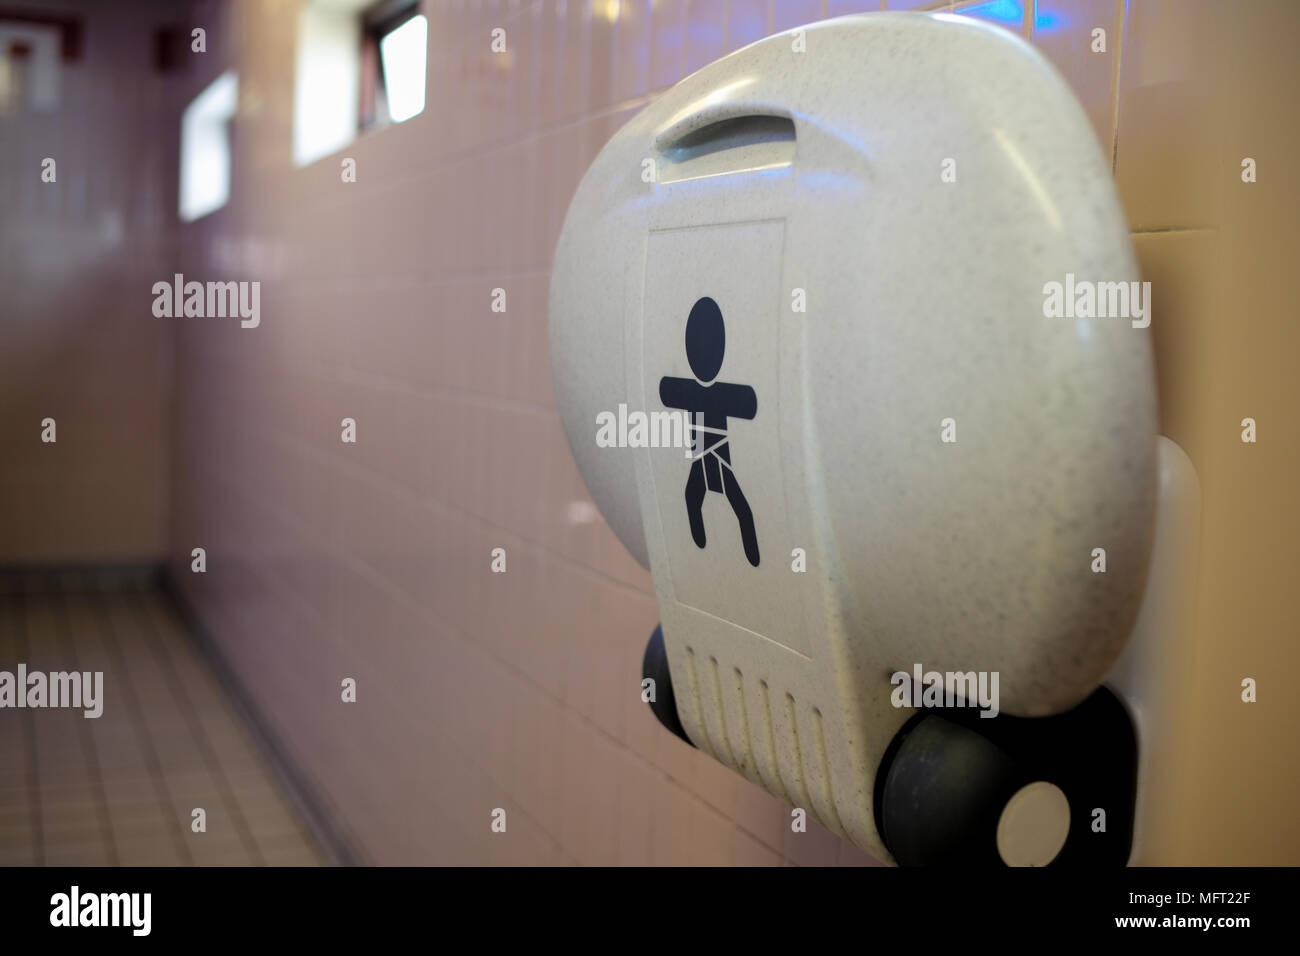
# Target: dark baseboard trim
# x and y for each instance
(335, 842)
(79, 578)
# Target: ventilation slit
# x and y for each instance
(799, 781)
(720, 711)
(765, 699)
(693, 677)
(828, 794)
(749, 765)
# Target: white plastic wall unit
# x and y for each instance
(836, 246)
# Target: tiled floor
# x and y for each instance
(122, 788)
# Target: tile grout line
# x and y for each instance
(150, 753)
(1121, 15)
(163, 659)
(425, 503)
(88, 746)
(454, 632)
(29, 726)
(1174, 230)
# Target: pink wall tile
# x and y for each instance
(841, 8)
(787, 14)
(706, 33)
(632, 53)
(747, 21)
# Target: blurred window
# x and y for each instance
(360, 66)
(205, 148)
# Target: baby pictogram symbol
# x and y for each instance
(710, 404)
